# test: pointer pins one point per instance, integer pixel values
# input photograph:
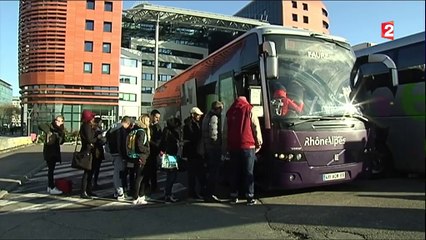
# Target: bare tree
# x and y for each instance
(7, 113)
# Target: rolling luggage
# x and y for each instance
(65, 185)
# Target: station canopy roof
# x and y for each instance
(146, 12)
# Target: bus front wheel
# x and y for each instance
(381, 163)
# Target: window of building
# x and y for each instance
(128, 97)
(305, 6)
(105, 68)
(88, 46)
(146, 90)
(164, 78)
(90, 25)
(294, 4)
(147, 76)
(128, 62)
(87, 67)
(128, 79)
(90, 4)
(106, 47)
(325, 24)
(324, 12)
(107, 27)
(146, 104)
(294, 16)
(108, 6)
(305, 19)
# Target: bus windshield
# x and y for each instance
(313, 78)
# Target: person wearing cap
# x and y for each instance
(192, 150)
(212, 142)
(88, 141)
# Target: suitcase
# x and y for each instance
(65, 185)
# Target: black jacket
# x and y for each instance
(88, 138)
(99, 145)
(192, 138)
(116, 141)
(55, 137)
(171, 137)
(154, 144)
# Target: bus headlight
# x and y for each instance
(291, 157)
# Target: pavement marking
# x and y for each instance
(32, 195)
(11, 180)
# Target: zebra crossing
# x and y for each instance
(32, 195)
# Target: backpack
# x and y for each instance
(131, 142)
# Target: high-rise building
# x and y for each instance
(69, 59)
(5, 92)
(310, 15)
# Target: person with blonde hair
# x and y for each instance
(142, 137)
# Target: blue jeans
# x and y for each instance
(242, 164)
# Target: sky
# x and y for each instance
(357, 21)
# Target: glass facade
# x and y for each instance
(5, 92)
(41, 113)
(270, 11)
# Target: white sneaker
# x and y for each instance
(48, 190)
(54, 191)
(140, 201)
(121, 197)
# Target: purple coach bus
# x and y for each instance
(299, 83)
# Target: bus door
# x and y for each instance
(227, 96)
(188, 93)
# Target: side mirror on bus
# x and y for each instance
(270, 52)
(376, 58)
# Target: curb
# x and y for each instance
(16, 148)
(11, 187)
(3, 193)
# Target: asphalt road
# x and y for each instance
(364, 209)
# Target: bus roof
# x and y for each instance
(169, 92)
(404, 41)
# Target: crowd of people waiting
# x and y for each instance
(198, 142)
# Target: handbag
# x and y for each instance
(169, 161)
(81, 160)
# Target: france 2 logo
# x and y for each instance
(387, 30)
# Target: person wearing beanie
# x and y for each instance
(88, 141)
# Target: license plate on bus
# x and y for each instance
(333, 176)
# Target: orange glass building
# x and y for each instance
(69, 53)
(309, 15)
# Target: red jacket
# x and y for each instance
(240, 132)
